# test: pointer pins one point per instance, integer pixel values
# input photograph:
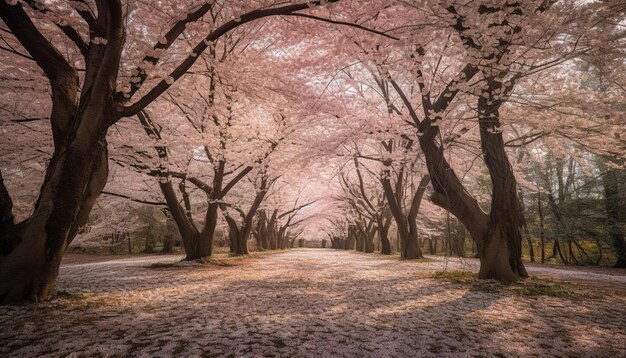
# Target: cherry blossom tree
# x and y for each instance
(450, 77)
(85, 104)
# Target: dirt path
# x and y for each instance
(305, 303)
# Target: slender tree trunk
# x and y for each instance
(529, 241)
(351, 239)
(541, 228)
(407, 226)
(614, 220)
(168, 244)
(359, 242)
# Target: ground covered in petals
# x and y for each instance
(319, 303)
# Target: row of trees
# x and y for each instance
(571, 220)
(213, 104)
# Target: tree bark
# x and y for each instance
(613, 213)
(501, 254)
(384, 223)
(541, 228)
(529, 241)
(407, 226)
(79, 165)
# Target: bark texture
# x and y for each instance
(78, 168)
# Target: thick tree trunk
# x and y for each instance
(501, 254)
(78, 168)
(203, 246)
(8, 229)
(74, 180)
(197, 244)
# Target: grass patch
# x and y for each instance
(530, 287)
(489, 286)
(535, 286)
(462, 277)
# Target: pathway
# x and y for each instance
(303, 303)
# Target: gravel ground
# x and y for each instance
(311, 303)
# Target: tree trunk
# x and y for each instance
(369, 244)
(384, 223)
(529, 241)
(74, 180)
(168, 244)
(242, 245)
(385, 244)
(407, 226)
(541, 228)
(432, 246)
(78, 169)
(360, 243)
(501, 255)
(239, 236)
(613, 213)
(351, 239)
(448, 192)
(197, 244)
(456, 240)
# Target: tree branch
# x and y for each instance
(141, 201)
(185, 65)
(351, 24)
(170, 37)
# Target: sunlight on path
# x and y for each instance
(319, 303)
